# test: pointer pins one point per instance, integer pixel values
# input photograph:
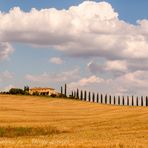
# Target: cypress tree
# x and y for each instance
(118, 100)
(106, 99)
(146, 101)
(97, 98)
(65, 90)
(77, 94)
(85, 95)
(61, 90)
(123, 100)
(26, 89)
(114, 100)
(93, 97)
(132, 100)
(89, 96)
(72, 95)
(137, 101)
(128, 100)
(101, 98)
(81, 95)
(110, 99)
(141, 100)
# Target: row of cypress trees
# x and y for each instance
(64, 93)
(108, 99)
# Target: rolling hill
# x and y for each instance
(29, 121)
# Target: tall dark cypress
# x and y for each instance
(132, 100)
(137, 101)
(97, 98)
(114, 100)
(72, 95)
(141, 100)
(110, 99)
(65, 90)
(123, 100)
(61, 90)
(77, 93)
(106, 99)
(146, 101)
(93, 97)
(118, 100)
(89, 97)
(128, 100)
(101, 98)
(85, 95)
(81, 95)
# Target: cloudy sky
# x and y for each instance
(94, 45)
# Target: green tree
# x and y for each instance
(15, 91)
(65, 90)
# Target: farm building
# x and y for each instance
(43, 91)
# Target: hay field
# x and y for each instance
(45, 122)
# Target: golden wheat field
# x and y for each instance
(28, 121)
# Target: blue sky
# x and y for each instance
(130, 11)
(111, 58)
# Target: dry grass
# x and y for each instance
(42, 122)
(11, 132)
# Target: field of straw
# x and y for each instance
(27, 121)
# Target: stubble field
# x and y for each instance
(27, 121)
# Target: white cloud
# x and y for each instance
(89, 29)
(86, 82)
(5, 50)
(133, 83)
(5, 76)
(7, 88)
(116, 65)
(107, 67)
(65, 76)
(94, 67)
(43, 78)
(56, 60)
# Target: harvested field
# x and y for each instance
(28, 121)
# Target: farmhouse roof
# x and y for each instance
(39, 88)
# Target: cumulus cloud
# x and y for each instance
(5, 76)
(65, 76)
(95, 32)
(94, 67)
(90, 29)
(5, 50)
(133, 83)
(56, 60)
(116, 65)
(86, 81)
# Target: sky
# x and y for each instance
(101, 46)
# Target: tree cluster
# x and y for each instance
(19, 91)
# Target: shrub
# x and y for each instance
(53, 95)
(35, 93)
(15, 91)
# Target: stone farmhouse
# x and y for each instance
(43, 91)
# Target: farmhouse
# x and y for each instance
(43, 91)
